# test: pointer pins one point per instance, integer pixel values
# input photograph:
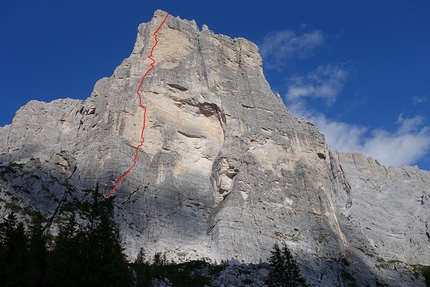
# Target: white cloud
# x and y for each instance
(280, 46)
(418, 100)
(408, 125)
(325, 82)
(405, 146)
(339, 135)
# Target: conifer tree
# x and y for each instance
(90, 255)
(284, 269)
(37, 254)
(13, 253)
(109, 265)
(64, 264)
(140, 259)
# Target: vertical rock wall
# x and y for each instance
(225, 171)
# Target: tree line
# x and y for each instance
(91, 254)
(81, 255)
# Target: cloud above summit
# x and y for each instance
(419, 100)
(325, 82)
(278, 47)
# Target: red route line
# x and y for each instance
(142, 134)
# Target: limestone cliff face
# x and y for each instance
(388, 207)
(225, 170)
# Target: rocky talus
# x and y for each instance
(225, 171)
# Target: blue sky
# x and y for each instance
(360, 70)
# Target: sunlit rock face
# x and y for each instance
(225, 170)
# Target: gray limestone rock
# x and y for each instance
(225, 170)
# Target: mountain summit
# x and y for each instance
(225, 170)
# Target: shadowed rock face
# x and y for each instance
(225, 171)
